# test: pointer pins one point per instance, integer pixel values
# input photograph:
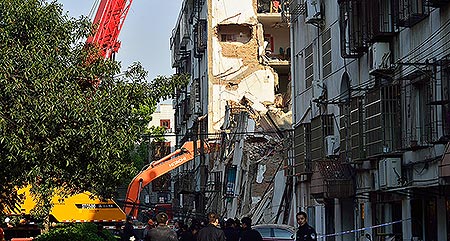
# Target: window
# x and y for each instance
(446, 101)
(424, 221)
(420, 112)
(234, 33)
(309, 66)
(200, 36)
(165, 123)
(421, 118)
(282, 233)
(326, 52)
(351, 129)
(265, 232)
(353, 27)
(411, 12)
(380, 19)
(383, 127)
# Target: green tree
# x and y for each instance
(76, 232)
(56, 128)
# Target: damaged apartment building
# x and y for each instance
(370, 104)
(238, 102)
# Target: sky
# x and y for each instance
(145, 35)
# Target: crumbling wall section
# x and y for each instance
(237, 71)
(263, 156)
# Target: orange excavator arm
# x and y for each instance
(155, 170)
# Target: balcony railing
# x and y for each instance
(302, 149)
(411, 12)
(321, 126)
(351, 129)
(381, 20)
(269, 6)
(382, 121)
(333, 179)
(184, 182)
(354, 25)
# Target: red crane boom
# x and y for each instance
(109, 20)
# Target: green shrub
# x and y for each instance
(75, 232)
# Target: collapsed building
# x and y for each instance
(238, 101)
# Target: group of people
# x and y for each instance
(199, 231)
(231, 230)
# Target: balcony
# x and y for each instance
(332, 179)
(277, 51)
(380, 20)
(214, 183)
(321, 126)
(351, 129)
(292, 9)
(185, 109)
(302, 146)
(354, 28)
(382, 123)
(185, 183)
(410, 12)
(269, 7)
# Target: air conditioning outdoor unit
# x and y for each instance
(379, 58)
(389, 173)
(330, 146)
(313, 11)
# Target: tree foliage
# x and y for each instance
(76, 232)
(56, 129)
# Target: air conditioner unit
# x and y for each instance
(389, 173)
(313, 11)
(330, 146)
(379, 58)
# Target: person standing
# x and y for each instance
(178, 227)
(2, 234)
(211, 232)
(150, 225)
(304, 232)
(249, 234)
(231, 233)
(186, 234)
(128, 230)
(161, 232)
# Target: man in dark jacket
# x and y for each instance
(211, 232)
(249, 234)
(231, 233)
(305, 232)
(128, 230)
(161, 232)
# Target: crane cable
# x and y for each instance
(93, 9)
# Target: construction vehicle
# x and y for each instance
(109, 19)
(77, 208)
(156, 169)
